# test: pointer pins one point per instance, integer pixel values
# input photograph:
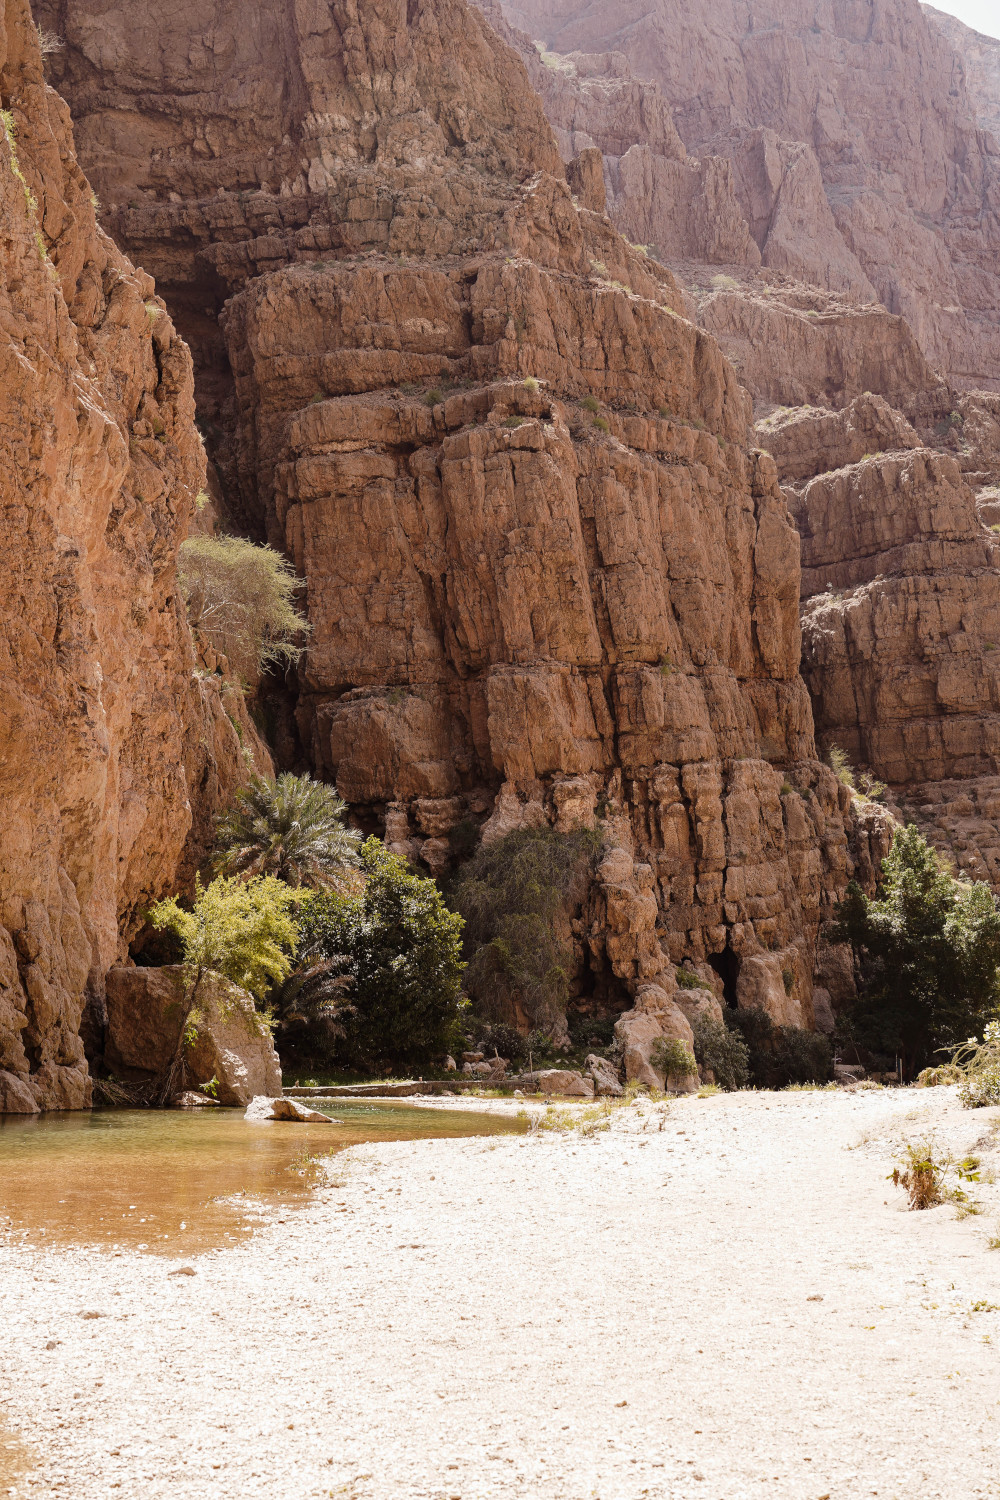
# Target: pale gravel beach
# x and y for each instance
(549, 1317)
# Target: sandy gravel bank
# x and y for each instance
(547, 1317)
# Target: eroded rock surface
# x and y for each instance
(113, 746)
(148, 1010)
(547, 579)
(859, 162)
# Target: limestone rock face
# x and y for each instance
(902, 617)
(112, 746)
(979, 56)
(858, 154)
(807, 441)
(147, 1011)
(547, 578)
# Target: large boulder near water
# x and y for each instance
(147, 1012)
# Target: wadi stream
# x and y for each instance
(174, 1183)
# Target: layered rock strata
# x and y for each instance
(112, 744)
(548, 582)
(901, 609)
(858, 159)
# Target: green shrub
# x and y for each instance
(240, 598)
(977, 1065)
(510, 895)
(291, 828)
(402, 949)
(688, 980)
(926, 949)
(672, 1058)
(780, 1055)
(601, 424)
(722, 1050)
(242, 929)
(840, 765)
(506, 1041)
(590, 403)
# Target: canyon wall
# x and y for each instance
(549, 580)
(890, 473)
(115, 746)
(857, 155)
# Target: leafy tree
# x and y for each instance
(242, 929)
(511, 894)
(241, 599)
(291, 828)
(312, 1007)
(927, 951)
(723, 1050)
(779, 1055)
(403, 951)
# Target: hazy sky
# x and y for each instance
(982, 15)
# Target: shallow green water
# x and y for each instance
(173, 1182)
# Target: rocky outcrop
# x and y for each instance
(979, 57)
(114, 747)
(858, 158)
(149, 1010)
(901, 607)
(547, 580)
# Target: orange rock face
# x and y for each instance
(547, 579)
(111, 745)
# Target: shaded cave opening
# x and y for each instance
(727, 965)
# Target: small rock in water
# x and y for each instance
(182, 1271)
(263, 1108)
(191, 1100)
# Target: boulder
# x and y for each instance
(16, 1097)
(564, 1081)
(605, 1076)
(147, 1010)
(264, 1108)
(640, 1029)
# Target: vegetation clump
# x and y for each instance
(292, 828)
(977, 1069)
(510, 895)
(241, 600)
(401, 948)
(244, 930)
(671, 1058)
(721, 1050)
(926, 952)
(924, 1177)
(778, 1056)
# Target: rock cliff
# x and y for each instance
(890, 473)
(113, 743)
(548, 579)
(857, 154)
(979, 57)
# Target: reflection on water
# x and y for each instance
(172, 1183)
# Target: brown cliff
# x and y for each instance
(547, 580)
(858, 158)
(111, 742)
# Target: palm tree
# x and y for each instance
(292, 828)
